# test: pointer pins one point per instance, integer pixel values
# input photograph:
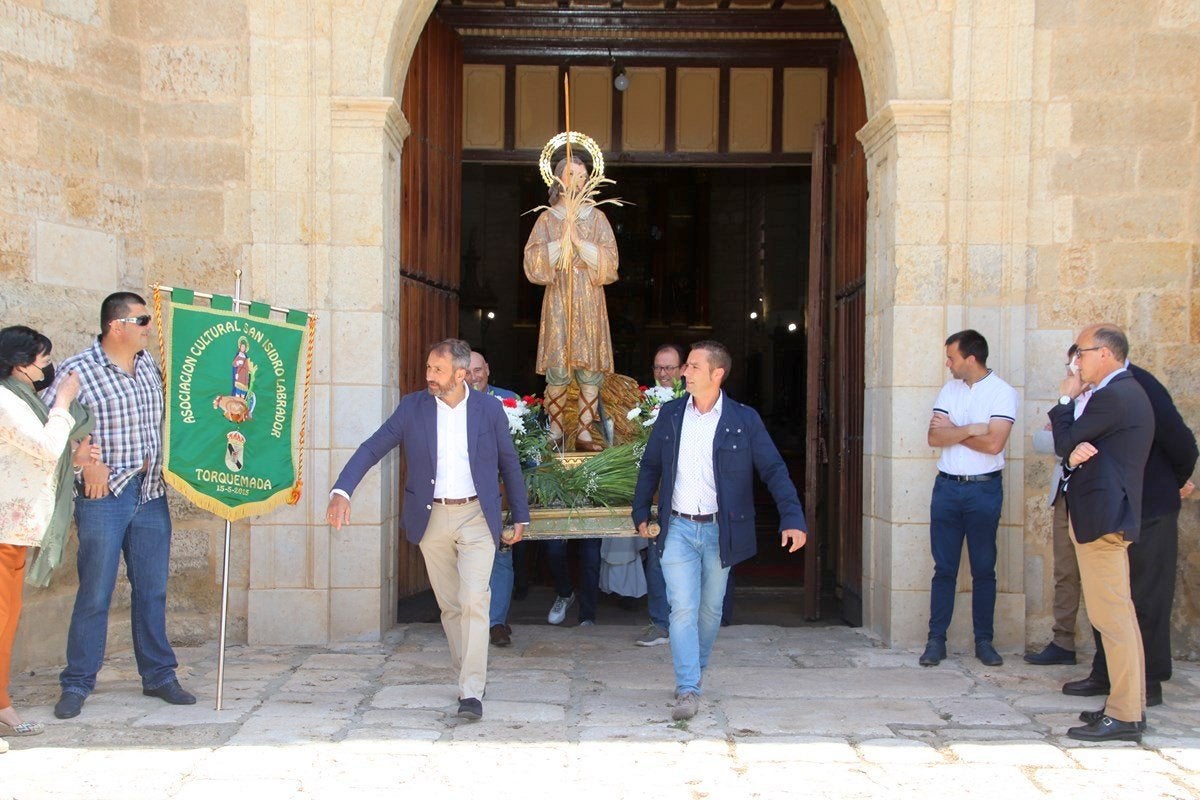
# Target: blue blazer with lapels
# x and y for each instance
(1104, 493)
(741, 447)
(414, 425)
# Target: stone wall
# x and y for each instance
(1115, 229)
(124, 166)
(1033, 165)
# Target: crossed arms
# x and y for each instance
(985, 437)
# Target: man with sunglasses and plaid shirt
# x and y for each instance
(121, 507)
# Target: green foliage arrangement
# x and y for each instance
(606, 479)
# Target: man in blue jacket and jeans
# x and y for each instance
(701, 457)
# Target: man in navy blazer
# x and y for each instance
(701, 458)
(1104, 453)
(456, 446)
(1154, 559)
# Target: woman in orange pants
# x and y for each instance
(35, 496)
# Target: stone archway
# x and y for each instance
(938, 259)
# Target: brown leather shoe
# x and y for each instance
(500, 635)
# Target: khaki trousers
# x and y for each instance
(1066, 579)
(1104, 574)
(12, 571)
(459, 550)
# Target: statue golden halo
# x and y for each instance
(588, 143)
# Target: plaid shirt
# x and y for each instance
(128, 410)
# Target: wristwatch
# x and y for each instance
(1065, 400)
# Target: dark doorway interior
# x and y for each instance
(706, 253)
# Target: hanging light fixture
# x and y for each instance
(620, 80)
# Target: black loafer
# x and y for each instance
(173, 693)
(1107, 729)
(935, 651)
(470, 708)
(1088, 687)
(1153, 693)
(1092, 717)
(69, 705)
(1051, 654)
(987, 654)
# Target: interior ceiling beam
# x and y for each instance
(523, 158)
(615, 19)
(703, 52)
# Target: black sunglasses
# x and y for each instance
(141, 321)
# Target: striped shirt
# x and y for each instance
(128, 410)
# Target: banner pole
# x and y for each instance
(224, 615)
(237, 297)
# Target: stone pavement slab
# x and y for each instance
(1012, 753)
(789, 749)
(856, 717)
(812, 712)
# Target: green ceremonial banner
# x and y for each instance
(234, 391)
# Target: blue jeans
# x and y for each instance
(502, 586)
(656, 593)
(958, 511)
(696, 581)
(589, 573)
(656, 589)
(109, 528)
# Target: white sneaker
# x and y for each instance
(653, 636)
(3, 746)
(558, 611)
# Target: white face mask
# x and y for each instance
(1073, 367)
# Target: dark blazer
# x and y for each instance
(741, 446)
(414, 425)
(1173, 454)
(1104, 494)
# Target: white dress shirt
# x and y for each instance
(1043, 442)
(453, 478)
(695, 485)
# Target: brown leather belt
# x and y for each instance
(455, 501)
(695, 517)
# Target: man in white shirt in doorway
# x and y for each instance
(971, 421)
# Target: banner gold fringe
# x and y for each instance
(215, 506)
(298, 488)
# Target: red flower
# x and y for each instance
(530, 400)
(511, 402)
(643, 389)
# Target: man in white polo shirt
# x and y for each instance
(972, 419)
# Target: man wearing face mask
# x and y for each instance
(122, 508)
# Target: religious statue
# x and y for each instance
(573, 253)
(242, 367)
